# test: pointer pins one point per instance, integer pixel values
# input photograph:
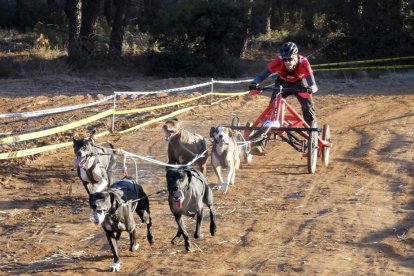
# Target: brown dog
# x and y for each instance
(184, 146)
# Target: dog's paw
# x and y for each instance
(199, 236)
(151, 239)
(217, 187)
(213, 228)
(187, 245)
(115, 267)
(134, 248)
(224, 188)
(176, 240)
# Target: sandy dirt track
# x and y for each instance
(353, 218)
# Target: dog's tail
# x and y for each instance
(112, 163)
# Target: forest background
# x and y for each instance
(182, 38)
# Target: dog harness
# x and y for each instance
(123, 215)
(197, 174)
(90, 170)
(220, 156)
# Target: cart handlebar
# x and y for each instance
(281, 88)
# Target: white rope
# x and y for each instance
(180, 88)
(164, 91)
(231, 82)
(74, 107)
(152, 160)
(243, 143)
(55, 110)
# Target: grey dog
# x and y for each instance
(188, 191)
(113, 210)
(94, 164)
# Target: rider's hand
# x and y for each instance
(309, 90)
(253, 86)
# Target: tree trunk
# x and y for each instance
(73, 8)
(117, 33)
(90, 9)
(269, 19)
(108, 11)
(396, 14)
(248, 30)
(50, 4)
(18, 15)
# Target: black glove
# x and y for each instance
(253, 86)
(309, 90)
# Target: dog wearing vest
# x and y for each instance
(224, 154)
(94, 163)
(184, 146)
(114, 208)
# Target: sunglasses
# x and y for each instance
(287, 59)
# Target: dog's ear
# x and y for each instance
(188, 172)
(212, 130)
(74, 136)
(92, 140)
(92, 131)
(230, 132)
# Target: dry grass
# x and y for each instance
(32, 62)
(47, 54)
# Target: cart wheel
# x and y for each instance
(326, 136)
(247, 156)
(235, 121)
(312, 149)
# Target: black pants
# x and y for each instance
(308, 110)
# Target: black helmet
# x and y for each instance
(288, 49)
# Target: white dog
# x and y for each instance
(224, 154)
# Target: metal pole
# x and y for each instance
(211, 90)
(113, 114)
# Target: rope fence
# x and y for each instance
(109, 112)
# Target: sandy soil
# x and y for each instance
(353, 218)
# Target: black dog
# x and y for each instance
(93, 163)
(188, 190)
(113, 210)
